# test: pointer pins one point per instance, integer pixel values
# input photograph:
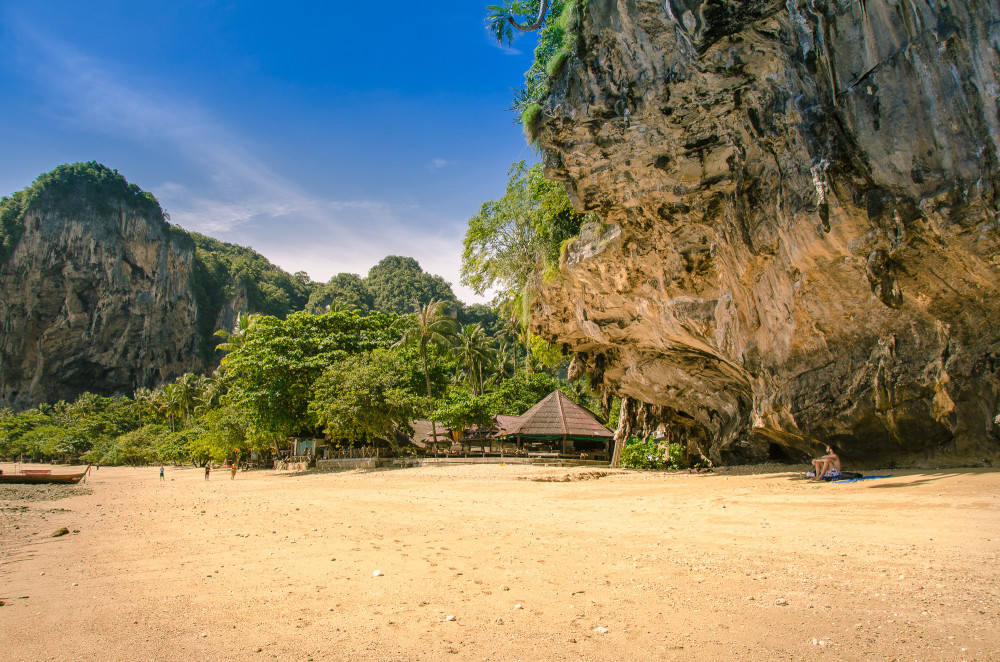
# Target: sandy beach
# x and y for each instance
(501, 562)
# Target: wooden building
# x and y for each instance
(558, 424)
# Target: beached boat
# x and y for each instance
(43, 476)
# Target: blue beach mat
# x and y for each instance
(854, 480)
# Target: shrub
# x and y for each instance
(650, 454)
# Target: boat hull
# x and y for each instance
(42, 478)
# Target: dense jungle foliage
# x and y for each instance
(357, 378)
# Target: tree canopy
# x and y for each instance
(518, 234)
(371, 395)
(347, 290)
(271, 374)
(398, 285)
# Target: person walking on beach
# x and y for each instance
(232, 473)
(208, 470)
(827, 466)
(161, 472)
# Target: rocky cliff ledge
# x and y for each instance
(800, 223)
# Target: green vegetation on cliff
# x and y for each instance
(11, 223)
(73, 189)
(223, 272)
(556, 44)
(398, 285)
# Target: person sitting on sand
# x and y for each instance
(827, 466)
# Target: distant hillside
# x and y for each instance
(100, 293)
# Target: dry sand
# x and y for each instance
(501, 563)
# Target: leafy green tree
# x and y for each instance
(523, 391)
(398, 285)
(223, 433)
(135, 448)
(373, 395)
(347, 290)
(462, 409)
(519, 234)
(271, 375)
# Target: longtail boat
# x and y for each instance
(43, 476)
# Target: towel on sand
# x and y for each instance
(854, 480)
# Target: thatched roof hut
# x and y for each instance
(423, 436)
(558, 419)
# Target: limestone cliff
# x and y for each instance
(99, 293)
(96, 302)
(799, 239)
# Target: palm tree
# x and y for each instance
(506, 358)
(511, 329)
(340, 306)
(501, 20)
(187, 390)
(143, 401)
(213, 388)
(231, 341)
(166, 401)
(473, 350)
(429, 325)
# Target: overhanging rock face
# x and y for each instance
(799, 239)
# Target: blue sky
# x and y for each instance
(323, 135)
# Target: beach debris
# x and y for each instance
(504, 587)
(450, 618)
(781, 602)
(600, 629)
(517, 606)
(60, 532)
(377, 573)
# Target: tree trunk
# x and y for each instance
(430, 399)
(624, 431)
(544, 7)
